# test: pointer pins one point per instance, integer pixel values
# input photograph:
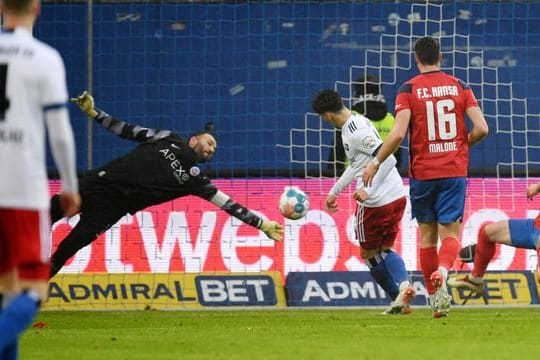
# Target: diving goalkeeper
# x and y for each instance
(163, 167)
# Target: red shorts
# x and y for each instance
(378, 227)
(24, 243)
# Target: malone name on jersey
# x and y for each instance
(442, 147)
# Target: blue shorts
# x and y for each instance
(438, 200)
(523, 233)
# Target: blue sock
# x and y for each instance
(11, 351)
(384, 278)
(15, 318)
(396, 266)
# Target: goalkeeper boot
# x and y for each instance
(401, 305)
(441, 299)
(466, 282)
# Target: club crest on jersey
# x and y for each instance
(194, 171)
(369, 142)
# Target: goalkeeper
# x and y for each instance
(163, 167)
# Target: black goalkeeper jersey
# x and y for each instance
(161, 168)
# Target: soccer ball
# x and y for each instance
(293, 203)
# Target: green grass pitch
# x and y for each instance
(468, 333)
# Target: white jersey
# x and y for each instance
(32, 92)
(360, 140)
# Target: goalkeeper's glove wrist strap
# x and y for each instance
(99, 113)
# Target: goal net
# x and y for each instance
(498, 177)
(250, 69)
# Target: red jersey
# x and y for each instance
(438, 143)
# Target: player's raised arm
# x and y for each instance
(85, 101)
(272, 229)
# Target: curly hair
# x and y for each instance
(327, 101)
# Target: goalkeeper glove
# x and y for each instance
(272, 229)
(85, 101)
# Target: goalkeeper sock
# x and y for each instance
(485, 250)
(382, 276)
(396, 266)
(16, 317)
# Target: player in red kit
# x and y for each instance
(431, 107)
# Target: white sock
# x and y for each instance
(404, 285)
(444, 272)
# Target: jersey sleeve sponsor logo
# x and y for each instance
(369, 142)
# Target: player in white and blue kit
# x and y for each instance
(33, 97)
(380, 207)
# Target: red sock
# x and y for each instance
(448, 252)
(429, 262)
(485, 250)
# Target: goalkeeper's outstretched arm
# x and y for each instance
(85, 101)
(272, 229)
